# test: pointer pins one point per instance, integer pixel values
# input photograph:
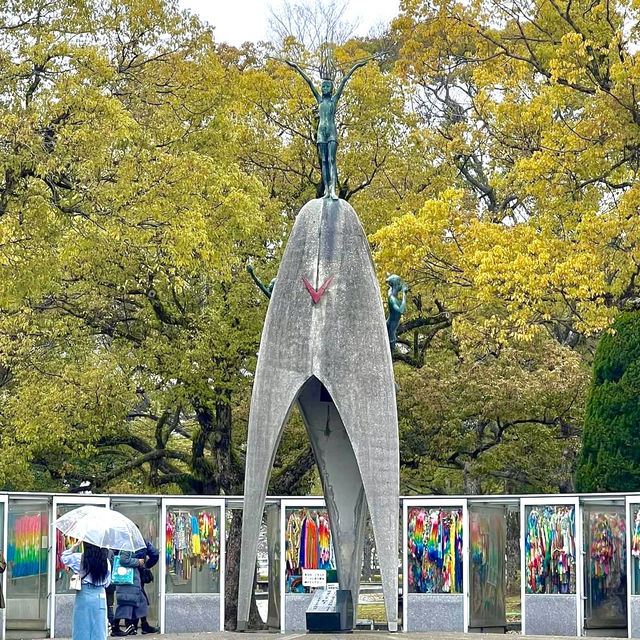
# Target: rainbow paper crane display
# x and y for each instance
(607, 555)
(435, 550)
(635, 537)
(308, 545)
(25, 552)
(550, 550)
(607, 551)
(635, 551)
(193, 542)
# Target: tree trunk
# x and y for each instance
(287, 482)
(202, 469)
(470, 481)
(369, 552)
(216, 470)
(228, 473)
(232, 576)
(513, 553)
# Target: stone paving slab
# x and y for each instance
(356, 635)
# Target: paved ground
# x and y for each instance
(360, 635)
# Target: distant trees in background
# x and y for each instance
(491, 154)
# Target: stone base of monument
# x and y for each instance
(550, 614)
(330, 610)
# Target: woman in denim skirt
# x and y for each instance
(90, 605)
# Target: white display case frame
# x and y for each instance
(294, 503)
(441, 503)
(79, 501)
(504, 504)
(629, 502)
(195, 501)
(4, 541)
(25, 498)
(605, 501)
(552, 501)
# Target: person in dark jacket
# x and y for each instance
(110, 591)
(133, 604)
(3, 566)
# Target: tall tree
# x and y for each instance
(312, 24)
(128, 326)
(123, 228)
(523, 235)
(610, 455)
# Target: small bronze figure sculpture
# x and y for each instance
(327, 139)
(268, 290)
(396, 307)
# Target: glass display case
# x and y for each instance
(633, 565)
(192, 549)
(434, 549)
(306, 544)
(3, 553)
(27, 593)
(605, 566)
(192, 564)
(550, 567)
(63, 595)
(550, 546)
(579, 561)
(435, 571)
(272, 513)
(634, 533)
(145, 512)
(487, 566)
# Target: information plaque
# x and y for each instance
(316, 578)
(330, 610)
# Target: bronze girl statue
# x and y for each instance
(327, 139)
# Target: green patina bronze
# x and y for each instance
(268, 290)
(396, 306)
(327, 138)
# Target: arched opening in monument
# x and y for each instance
(342, 485)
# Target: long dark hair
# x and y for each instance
(94, 562)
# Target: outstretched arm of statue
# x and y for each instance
(258, 282)
(351, 71)
(307, 79)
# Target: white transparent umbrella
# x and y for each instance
(102, 527)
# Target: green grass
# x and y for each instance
(372, 611)
(376, 612)
(513, 608)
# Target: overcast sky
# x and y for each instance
(237, 21)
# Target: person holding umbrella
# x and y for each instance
(101, 530)
(90, 605)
